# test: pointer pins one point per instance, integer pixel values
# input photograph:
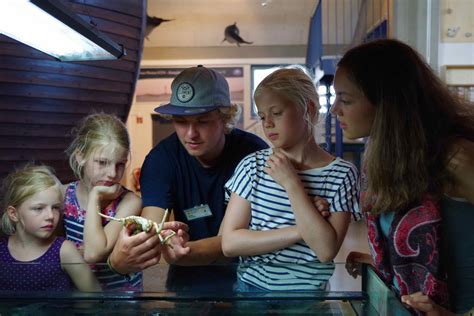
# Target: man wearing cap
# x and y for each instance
(186, 172)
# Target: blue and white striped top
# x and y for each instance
(296, 267)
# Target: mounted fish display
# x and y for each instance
(231, 35)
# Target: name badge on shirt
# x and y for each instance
(198, 211)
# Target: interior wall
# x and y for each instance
(417, 24)
(457, 21)
(456, 32)
(201, 23)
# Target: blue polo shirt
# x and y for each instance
(171, 178)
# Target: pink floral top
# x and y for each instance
(74, 218)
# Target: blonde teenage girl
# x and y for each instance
(271, 218)
(32, 258)
(98, 155)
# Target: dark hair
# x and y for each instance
(416, 119)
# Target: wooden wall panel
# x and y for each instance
(126, 19)
(7, 130)
(60, 80)
(46, 66)
(42, 99)
(61, 106)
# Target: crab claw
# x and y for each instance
(165, 240)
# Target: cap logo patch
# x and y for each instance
(185, 92)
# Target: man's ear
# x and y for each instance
(12, 214)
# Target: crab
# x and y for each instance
(142, 224)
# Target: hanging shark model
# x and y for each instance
(152, 22)
(231, 34)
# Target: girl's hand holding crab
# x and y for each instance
(280, 168)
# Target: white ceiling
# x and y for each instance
(201, 23)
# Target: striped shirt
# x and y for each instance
(74, 218)
(296, 267)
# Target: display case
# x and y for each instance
(370, 296)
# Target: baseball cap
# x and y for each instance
(197, 90)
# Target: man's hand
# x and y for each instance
(175, 226)
(178, 249)
(423, 303)
(133, 253)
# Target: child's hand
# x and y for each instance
(107, 193)
(322, 205)
(423, 303)
(280, 168)
(354, 262)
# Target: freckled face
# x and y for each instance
(282, 121)
(105, 166)
(38, 216)
(354, 111)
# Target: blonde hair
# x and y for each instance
(94, 132)
(295, 84)
(22, 184)
(229, 115)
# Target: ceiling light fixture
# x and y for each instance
(55, 29)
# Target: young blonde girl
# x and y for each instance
(32, 258)
(98, 156)
(271, 218)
